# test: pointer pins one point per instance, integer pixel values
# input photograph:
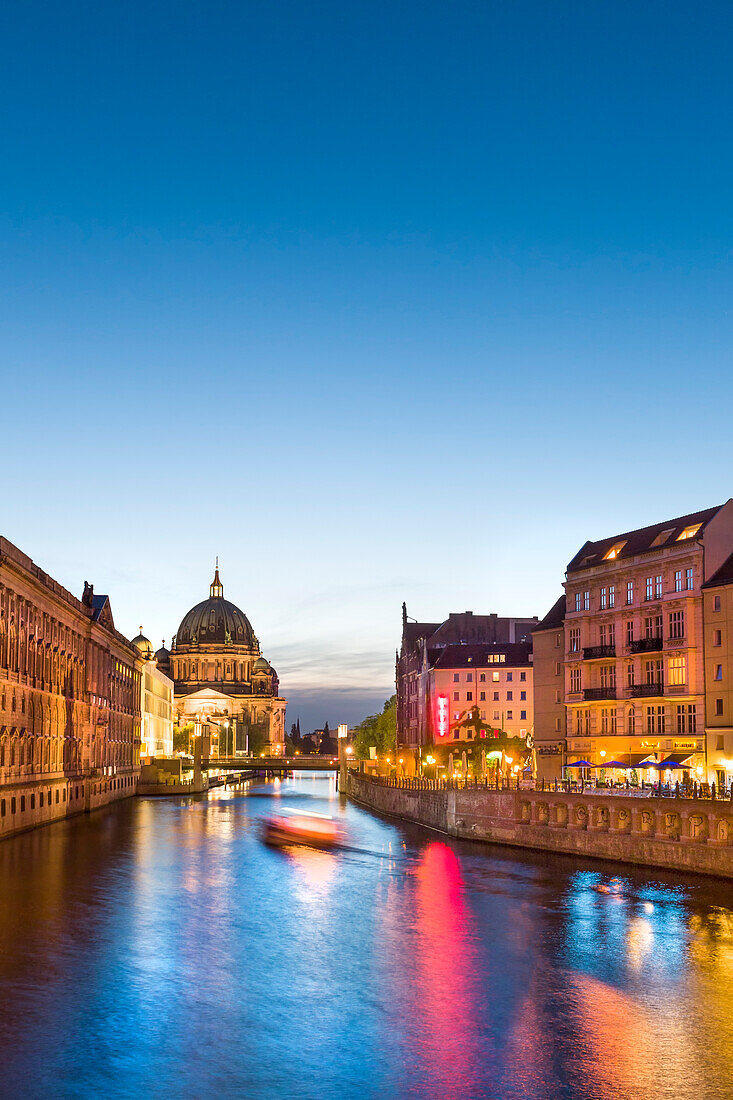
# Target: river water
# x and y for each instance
(159, 948)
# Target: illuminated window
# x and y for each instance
(658, 586)
(495, 677)
(677, 671)
(678, 580)
(689, 532)
(614, 551)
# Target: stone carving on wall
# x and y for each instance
(672, 825)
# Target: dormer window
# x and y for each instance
(614, 551)
(662, 537)
(689, 532)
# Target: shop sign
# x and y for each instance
(442, 715)
(685, 746)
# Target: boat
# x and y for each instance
(313, 831)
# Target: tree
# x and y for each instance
(378, 731)
(495, 740)
(182, 737)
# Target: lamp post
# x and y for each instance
(343, 732)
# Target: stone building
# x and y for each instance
(717, 595)
(221, 678)
(156, 703)
(432, 654)
(69, 699)
(631, 649)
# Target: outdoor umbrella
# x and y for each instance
(670, 763)
(613, 764)
(580, 764)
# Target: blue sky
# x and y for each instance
(378, 301)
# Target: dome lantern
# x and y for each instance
(216, 588)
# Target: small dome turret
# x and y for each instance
(143, 646)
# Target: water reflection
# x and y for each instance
(161, 942)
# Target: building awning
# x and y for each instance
(680, 759)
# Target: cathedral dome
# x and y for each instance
(261, 665)
(215, 621)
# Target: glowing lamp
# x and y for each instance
(442, 715)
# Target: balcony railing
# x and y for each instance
(646, 645)
(599, 693)
(645, 691)
(676, 642)
(592, 651)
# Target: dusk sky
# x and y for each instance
(376, 301)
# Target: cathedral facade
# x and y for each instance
(221, 678)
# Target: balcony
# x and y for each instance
(676, 642)
(646, 645)
(645, 691)
(590, 694)
(591, 652)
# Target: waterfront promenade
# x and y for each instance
(678, 833)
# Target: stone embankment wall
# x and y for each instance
(28, 805)
(682, 834)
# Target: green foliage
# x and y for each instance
(259, 733)
(182, 737)
(378, 730)
(495, 741)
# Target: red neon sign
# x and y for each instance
(442, 715)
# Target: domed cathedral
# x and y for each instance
(221, 677)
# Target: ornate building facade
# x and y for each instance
(69, 699)
(221, 678)
(156, 703)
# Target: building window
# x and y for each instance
(688, 580)
(612, 595)
(496, 716)
(718, 672)
(579, 723)
(509, 697)
(522, 677)
(677, 624)
(678, 580)
(604, 603)
(557, 730)
(558, 668)
(495, 677)
(608, 677)
(482, 697)
(649, 588)
(575, 679)
(522, 716)
(522, 696)
(496, 696)
(686, 718)
(653, 671)
(677, 671)
(631, 721)
(575, 639)
(630, 675)
(469, 696)
(718, 707)
(456, 677)
(629, 592)
(456, 696)
(629, 631)
(509, 677)
(469, 677)
(586, 600)
(716, 603)
(482, 678)
(604, 721)
(557, 695)
(653, 626)
(557, 641)
(509, 716)
(578, 601)
(655, 719)
(658, 586)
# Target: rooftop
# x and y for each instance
(630, 543)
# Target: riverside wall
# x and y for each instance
(678, 834)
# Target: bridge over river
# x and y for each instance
(272, 765)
